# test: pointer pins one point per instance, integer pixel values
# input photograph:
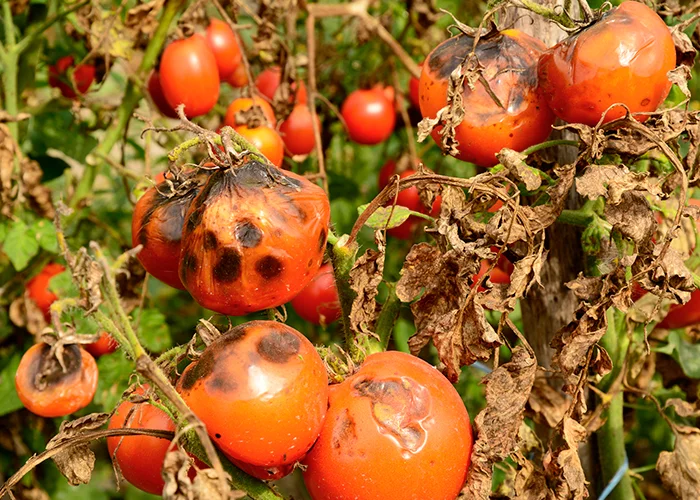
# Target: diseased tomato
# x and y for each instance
(297, 131)
(268, 81)
(224, 45)
(369, 116)
(395, 429)
(156, 92)
(262, 392)
(510, 68)
(413, 91)
(46, 390)
(264, 473)
(409, 198)
(267, 140)
(59, 77)
(253, 238)
(318, 303)
(38, 288)
(244, 104)
(189, 75)
(105, 345)
(238, 78)
(623, 58)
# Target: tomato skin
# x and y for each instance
(499, 275)
(267, 140)
(244, 104)
(269, 80)
(264, 473)
(84, 75)
(318, 303)
(63, 393)
(224, 45)
(156, 92)
(395, 429)
(680, 316)
(38, 288)
(624, 58)
(297, 131)
(414, 92)
(189, 75)
(105, 345)
(238, 78)
(268, 379)
(510, 61)
(369, 116)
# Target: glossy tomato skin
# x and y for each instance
(395, 429)
(409, 198)
(623, 58)
(189, 75)
(83, 75)
(253, 238)
(414, 92)
(156, 92)
(318, 303)
(510, 61)
(262, 392)
(297, 131)
(238, 78)
(268, 81)
(57, 394)
(38, 288)
(244, 104)
(224, 45)
(267, 140)
(105, 345)
(264, 473)
(369, 116)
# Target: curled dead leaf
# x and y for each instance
(365, 277)
(680, 469)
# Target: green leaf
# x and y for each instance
(46, 235)
(9, 401)
(154, 331)
(20, 245)
(5, 325)
(62, 285)
(114, 370)
(687, 354)
(3, 229)
(385, 217)
(52, 130)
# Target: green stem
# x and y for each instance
(550, 144)
(575, 218)
(343, 258)
(387, 317)
(561, 19)
(10, 64)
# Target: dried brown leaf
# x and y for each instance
(365, 277)
(632, 216)
(515, 164)
(572, 342)
(547, 403)
(142, 19)
(683, 408)
(206, 484)
(563, 465)
(680, 469)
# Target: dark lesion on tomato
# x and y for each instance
(46, 371)
(269, 267)
(278, 347)
(322, 237)
(228, 266)
(344, 430)
(248, 234)
(211, 242)
(189, 265)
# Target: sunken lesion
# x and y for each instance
(228, 266)
(278, 347)
(211, 242)
(188, 265)
(322, 238)
(248, 234)
(269, 267)
(46, 371)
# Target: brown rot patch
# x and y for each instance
(645, 102)
(322, 239)
(173, 219)
(46, 371)
(228, 267)
(278, 347)
(189, 265)
(195, 219)
(222, 383)
(344, 430)
(200, 370)
(269, 267)
(211, 242)
(248, 234)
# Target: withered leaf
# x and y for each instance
(206, 484)
(143, 18)
(530, 482)
(595, 179)
(564, 465)
(526, 274)
(680, 469)
(683, 408)
(573, 341)
(632, 216)
(586, 288)
(548, 404)
(365, 277)
(515, 164)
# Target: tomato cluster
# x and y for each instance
(70, 79)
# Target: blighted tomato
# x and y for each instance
(395, 429)
(243, 104)
(46, 389)
(517, 121)
(262, 392)
(156, 92)
(104, 345)
(267, 140)
(623, 58)
(224, 45)
(253, 238)
(59, 77)
(297, 131)
(409, 198)
(369, 116)
(38, 288)
(268, 81)
(318, 303)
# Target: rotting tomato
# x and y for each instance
(104, 345)
(59, 77)
(268, 81)
(297, 131)
(622, 58)
(395, 429)
(189, 75)
(244, 104)
(369, 116)
(267, 140)
(408, 198)
(268, 379)
(318, 303)
(253, 238)
(224, 45)
(510, 60)
(156, 92)
(38, 288)
(46, 390)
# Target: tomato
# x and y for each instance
(223, 43)
(38, 288)
(59, 77)
(238, 78)
(413, 91)
(623, 58)
(46, 390)
(297, 131)
(189, 75)
(267, 140)
(680, 316)
(318, 303)
(264, 473)
(499, 275)
(244, 104)
(104, 345)
(509, 59)
(369, 116)
(388, 91)
(395, 429)
(268, 81)
(253, 238)
(156, 92)
(262, 392)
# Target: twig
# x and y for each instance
(311, 42)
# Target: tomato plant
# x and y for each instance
(71, 80)
(318, 302)
(297, 131)
(224, 45)
(369, 116)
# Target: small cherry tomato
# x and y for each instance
(413, 92)
(189, 75)
(59, 77)
(520, 118)
(267, 140)
(46, 390)
(622, 58)
(268, 81)
(38, 288)
(297, 131)
(318, 303)
(369, 116)
(156, 92)
(409, 198)
(395, 429)
(244, 104)
(238, 78)
(105, 345)
(224, 45)
(267, 379)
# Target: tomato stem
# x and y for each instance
(9, 62)
(343, 258)
(387, 317)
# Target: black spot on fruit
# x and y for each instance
(195, 219)
(52, 372)
(217, 435)
(228, 267)
(278, 347)
(322, 239)
(248, 234)
(210, 240)
(269, 267)
(189, 264)
(222, 383)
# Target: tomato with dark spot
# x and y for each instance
(267, 140)
(268, 81)
(318, 303)
(59, 77)
(189, 75)
(369, 116)
(223, 43)
(395, 429)
(267, 225)
(156, 92)
(261, 389)
(104, 345)
(297, 130)
(264, 473)
(46, 389)
(622, 58)
(38, 288)
(520, 118)
(243, 104)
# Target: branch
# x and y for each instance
(25, 42)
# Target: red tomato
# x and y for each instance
(413, 91)
(238, 78)
(297, 131)
(189, 75)
(369, 116)
(500, 274)
(267, 140)
(244, 104)
(224, 45)
(267, 379)
(388, 91)
(46, 390)
(680, 316)
(510, 68)
(38, 288)
(264, 473)
(156, 92)
(105, 345)
(318, 303)
(623, 58)
(409, 198)
(269, 80)
(59, 77)
(396, 429)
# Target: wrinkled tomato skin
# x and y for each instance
(105, 345)
(318, 303)
(224, 45)
(268, 81)
(297, 131)
(38, 288)
(510, 68)
(189, 75)
(409, 198)
(83, 75)
(267, 140)
(244, 104)
(370, 117)
(262, 392)
(623, 58)
(156, 92)
(395, 429)
(64, 393)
